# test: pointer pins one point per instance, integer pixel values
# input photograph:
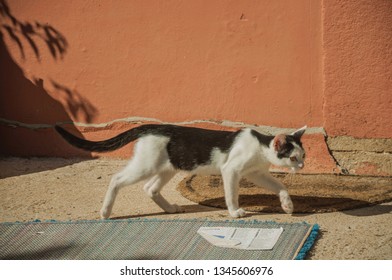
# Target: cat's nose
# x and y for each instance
(301, 165)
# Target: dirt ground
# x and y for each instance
(73, 189)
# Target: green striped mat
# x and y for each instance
(142, 239)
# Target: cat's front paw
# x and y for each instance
(286, 203)
(105, 214)
(288, 207)
(237, 213)
(174, 208)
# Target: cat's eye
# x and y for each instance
(293, 158)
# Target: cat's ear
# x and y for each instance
(279, 141)
(298, 133)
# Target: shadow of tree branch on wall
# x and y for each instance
(79, 107)
(27, 99)
(55, 41)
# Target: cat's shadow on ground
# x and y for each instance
(378, 209)
(372, 210)
(305, 205)
(196, 208)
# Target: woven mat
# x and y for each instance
(310, 193)
(141, 239)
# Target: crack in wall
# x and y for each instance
(354, 163)
(330, 151)
(140, 120)
(16, 124)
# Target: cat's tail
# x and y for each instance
(100, 146)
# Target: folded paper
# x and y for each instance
(241, 238)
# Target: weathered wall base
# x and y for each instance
(343, 154)
(362, 156)
(44, 141)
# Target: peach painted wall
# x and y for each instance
(274, 63)
(357, 44)
(249, 61)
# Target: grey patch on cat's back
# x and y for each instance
(263, 139)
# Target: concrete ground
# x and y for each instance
(73, 189)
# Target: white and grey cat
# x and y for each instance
(162, 150)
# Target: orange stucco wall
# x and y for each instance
(326, 64)
(357, 44)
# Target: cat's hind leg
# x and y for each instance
(272, 184)
(153, 188)
(130, 175)
(150, 158)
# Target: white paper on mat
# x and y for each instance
(241, 238)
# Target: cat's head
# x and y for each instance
(288, 149)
